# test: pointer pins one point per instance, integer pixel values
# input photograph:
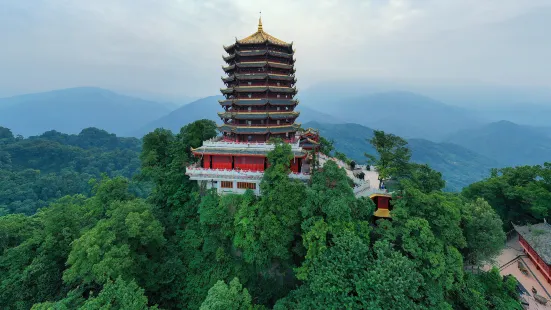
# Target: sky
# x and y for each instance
(174, 47)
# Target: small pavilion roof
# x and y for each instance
(382, 213)
(538, 237)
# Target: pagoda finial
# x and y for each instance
(260, 22)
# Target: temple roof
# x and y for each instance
(259, 129)
(260, 115)
(258, 89)
(385, 213)
(258, 53)
(260, 36)
(258, 102)
(538, 237)
(258, 76)
(257, 64)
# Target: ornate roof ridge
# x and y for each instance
(260, 36)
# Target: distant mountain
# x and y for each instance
(459, 166)
(204, 108)
(71, 110)
(507, 142)
(403, 113)
(207, 108)
(522, 113)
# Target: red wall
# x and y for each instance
(221, 162)
(382, 202)
(546, 269)
(206, 161)
(249, 163)
(294, 165)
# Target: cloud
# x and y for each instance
(175, 46)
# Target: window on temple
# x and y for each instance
(226, 184)
(278, 95)
(250, 83)
(277, 83)
(250, 95)
(246, 185)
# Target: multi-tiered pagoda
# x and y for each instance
(259, 105)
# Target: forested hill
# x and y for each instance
(37, 170)
(458, 165)
(297, 246)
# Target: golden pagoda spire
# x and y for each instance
(260, 23)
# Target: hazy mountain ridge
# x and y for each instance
(403, 113)
(459, 166)
(507, 142)
(71, 110)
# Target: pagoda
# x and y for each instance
(259, 105)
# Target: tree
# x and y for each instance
(118, 295)
(483, 231)
(5, 133)
(222, 296)
(342, 157)
(114, 246)
(393, 158)
(520, 194)
(265, 230)
(425, 179)
(326, 146)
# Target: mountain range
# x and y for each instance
(456, 141)
(458, 165)
(71, 110)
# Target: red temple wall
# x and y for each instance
(294, 165)
(382, 202)
(252, 163)
(249, 163)
(542, 266)
(221, 162)
(206, 161)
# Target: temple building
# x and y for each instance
(259, 105)
(536, 243)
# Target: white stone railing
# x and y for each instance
(366, 191)
(232, 144)
(197, 172)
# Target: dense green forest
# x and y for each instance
(298, 246)
(38, 170)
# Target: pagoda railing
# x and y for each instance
(235, 174)
(261, 125)
(230, 144)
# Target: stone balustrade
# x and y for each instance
(205, 173)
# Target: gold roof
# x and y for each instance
(382, 213)
(260, 37)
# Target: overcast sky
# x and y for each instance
(175, 46)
